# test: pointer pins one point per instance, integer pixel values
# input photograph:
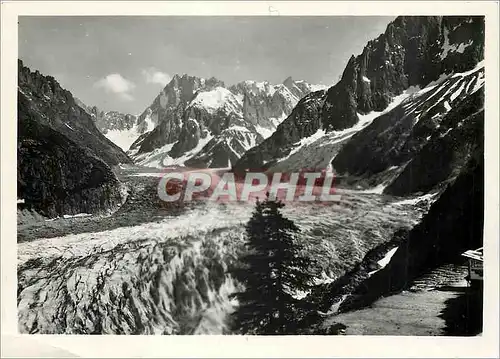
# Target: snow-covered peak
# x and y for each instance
(304, 85)
(254, 88)
(286, 93)
(216, 99)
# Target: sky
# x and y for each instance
(122, 63)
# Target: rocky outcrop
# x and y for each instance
(166, 111)
(266, 105)
(61, 156)
(201, 123)
(460, 134)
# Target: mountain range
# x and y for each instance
(416, 89)
(405, 119)
(202, 123)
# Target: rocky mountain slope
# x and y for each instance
(453, 224)
(63, 160)
(400, 147)
(57, 109)
(122, 129)
(405, 96)
(203, 123)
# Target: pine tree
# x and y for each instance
(272, 269)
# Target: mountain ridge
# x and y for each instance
(63, 161)
(192, 113)
(391, 81)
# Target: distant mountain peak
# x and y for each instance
(288, 82)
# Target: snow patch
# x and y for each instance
(66, 216)
(387, 258)
(449, 48)
(305, 142)
(431, 85)
(317, 87)
(264, 132)
(458, 92)
(318, 150)
(164, 160)
(216, 99)
(147, 174)
(155, 157)
(375, 190)
(479, 66)
(445, 133)
(384, 261)
(447, 106)
(238, 128)
(123, 139)
(416, 200)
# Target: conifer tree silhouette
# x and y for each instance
(272, 270)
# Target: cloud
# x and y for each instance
(117, 84)
(153, 76)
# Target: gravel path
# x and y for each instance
(438, 303)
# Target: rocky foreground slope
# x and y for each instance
(202, 123)
(63, 161)
(453, 225)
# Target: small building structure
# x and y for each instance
(476, 268)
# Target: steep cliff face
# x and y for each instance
(61, 155)
(413, 51)
(394, 98)
(444, 119)
(57, 109)
(202, 123)
(56, 176)
(450, 147)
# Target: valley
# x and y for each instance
(145, 270)
(402, 131)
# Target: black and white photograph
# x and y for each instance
(251, 175)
